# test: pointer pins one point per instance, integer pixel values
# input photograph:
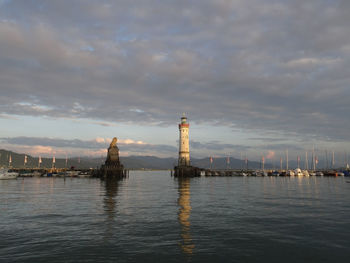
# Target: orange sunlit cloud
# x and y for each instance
(270, 155)
(121, 141)
(32, 150)
(94, 153)
(100, 140)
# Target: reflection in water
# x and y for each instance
(144, 212)
(110, 201)
(184, 203)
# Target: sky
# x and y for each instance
(254, 77)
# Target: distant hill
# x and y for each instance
(221, 163)
(130, 162)
(141, 162)
(18, 161)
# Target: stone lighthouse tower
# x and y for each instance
(184, 144)
(184, 168)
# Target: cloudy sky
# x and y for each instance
(253, 76)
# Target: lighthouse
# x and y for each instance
(184, 144)
(184, 168)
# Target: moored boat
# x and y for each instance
(346, 173)
(259, 173)
(275, 173)
(305, 173)
(84, 175)
(298, 172)
(73, 173)
(6, 174)
(330, 173)
(36, 174)
(290, 173)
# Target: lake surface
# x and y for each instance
(152, 217)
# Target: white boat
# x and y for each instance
(36, 174)
(5, 174)
(305, 173)
(30, 174)
(84, 175)
(72, 173)
(290, 173)
(298, 172)
(260, 173)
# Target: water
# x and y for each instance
(151, 217)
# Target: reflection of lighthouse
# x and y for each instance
(184, 203)
(184, 147)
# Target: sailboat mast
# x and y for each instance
(263, 162)
(281, 163)
(298, 160)
(313, 158)
(241, 161)
(306, 162)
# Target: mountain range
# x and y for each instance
(144, 162)
(129, 162)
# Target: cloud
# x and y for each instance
(215, 146)
(312, 62)
(104, 124)
(8, 117)
(258, 65)
(267, 139)
(97, 146)
(100, 140)
(129, 141)
(270, 155)
(39, 150)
